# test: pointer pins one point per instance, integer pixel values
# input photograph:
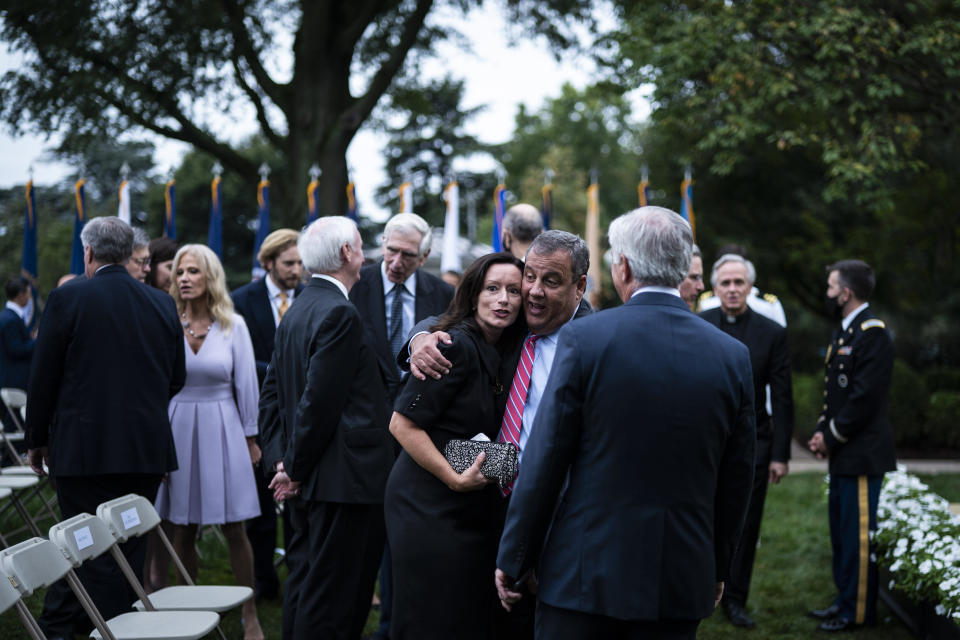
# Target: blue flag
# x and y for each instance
(263, 224)
(351, 201)
(28, 261)
(546, 208)
(169, 211)
(215, 232)
(499, 195)
(76, 254)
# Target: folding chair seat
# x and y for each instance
(10, 597)
(37, 563)
(18, 486)
(134, 515)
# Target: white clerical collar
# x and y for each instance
(848, 319)
(410, 284)
(652, 288)
(273, 290)
(340, 285)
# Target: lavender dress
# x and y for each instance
(211, 417)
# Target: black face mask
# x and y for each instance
(833, 307)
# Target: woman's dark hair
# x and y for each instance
(464, 303)
(161, 250)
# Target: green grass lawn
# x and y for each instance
(792, 572)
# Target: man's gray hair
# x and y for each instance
(657, 244)
(141, 239)
(696, 251)
(554, 240)
(409, 223)
(523, 222)
(732, 257)
(320, 243)
(110, 239)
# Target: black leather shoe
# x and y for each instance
(825, 614)
(837, 624)
(737, 616)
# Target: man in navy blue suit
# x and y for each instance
(16, 345)
(643, 492)
(262, 303)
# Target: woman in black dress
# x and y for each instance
(443, 527)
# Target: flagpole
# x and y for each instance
(263, 218)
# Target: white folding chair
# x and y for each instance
(134, 515)
(15, 401)
(37, 563)
(10, 597)
(18, 485)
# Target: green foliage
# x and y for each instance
(942, 428)
(942, 379)
(807, 403)
(908, 404)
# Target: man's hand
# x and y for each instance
(778, 470)
(507, 596)
(818, 445)
(37, 458)
(719, 595)
(283, 487)
(425, 357)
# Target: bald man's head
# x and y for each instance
(521, 224)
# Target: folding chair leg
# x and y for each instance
(12, 449)
(131, 577)
(27, 520)
(33, 629)
(87, 603)
(173, 556)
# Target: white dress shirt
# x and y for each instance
(17, 309)
(273, 292)
(409, 300)
(848, 319)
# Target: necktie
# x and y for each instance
(395, 330)
(283, 306)
(513, 415)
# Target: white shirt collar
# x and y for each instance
(651, 288)
(340, 285)
(848, 319)
(273, 290)
(13, 306)
(410, 284)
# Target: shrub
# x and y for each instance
(943, 420)
(908, 403)
(807, 400)
(942, 379)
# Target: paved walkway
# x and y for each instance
(802, 460)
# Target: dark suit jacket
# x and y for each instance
(108, 358)
(16, 350)
(252, 301)
(859, 366)
(649, 412)
(321, 406)
(770, 359)
(432, 298)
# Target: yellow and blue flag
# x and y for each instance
(643, 189)
(312, 200)
(28, 260)
(169, 210)
(351, 201)
(76, 254)
(546, 204)
(686, 202)
(405, 194)
(499, 206)
(263, 224)
(215, 230)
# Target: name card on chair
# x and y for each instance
(130, 518)
(83, 537)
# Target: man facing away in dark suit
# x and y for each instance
(103, 432)
(391, 297)
(262, 303)
(732, 278)
(325, 433)
(643, 492)
(854, 433)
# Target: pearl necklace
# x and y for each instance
(186, 327)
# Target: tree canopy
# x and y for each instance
(309, 73)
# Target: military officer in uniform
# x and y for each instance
(854, 434)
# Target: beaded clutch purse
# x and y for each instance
(500, 463)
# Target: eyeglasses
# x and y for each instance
(141, 262)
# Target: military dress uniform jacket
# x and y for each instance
(854, 421)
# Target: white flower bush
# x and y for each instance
(918, 539)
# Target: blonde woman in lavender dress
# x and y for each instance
(214, 421)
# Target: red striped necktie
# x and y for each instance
(513, 415)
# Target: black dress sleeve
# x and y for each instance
(424, 402)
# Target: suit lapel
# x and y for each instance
(423, 298)
(262, 312)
